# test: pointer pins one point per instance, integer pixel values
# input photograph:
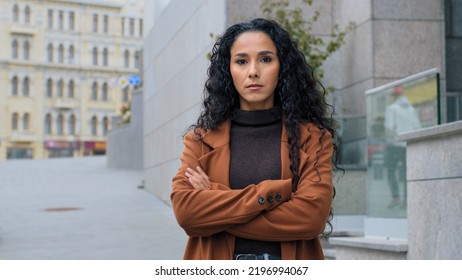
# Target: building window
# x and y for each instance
(94, 91)
(126, 59)
(27, 14)
(14, 121)
(25, 87)
(105, 125)
(95, 23)
(94, 126)
(60, 88)
(14, 86)
(105, 92)
(60, 124)
(61, 20)
(48, 123)
(132, 26)
(70, 92)
(50, 18)
(106, 24)
(49, 88)
(137, 60)
(50, 52)
(123, 26)
(71, 54)
(125, 95)
(105, 57)
(71, 20)
(95, 56)
(25, 121)
(72, 125)
(26, 50)
(61, 54)
(15, 13)
(14, 49)
(141, 27)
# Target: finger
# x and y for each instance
(196, 180)
(193, 174)
(204, 175)
(199, 174)
(193, 180)
(195, 183)
(191, 171)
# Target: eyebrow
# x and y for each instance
(260, 53)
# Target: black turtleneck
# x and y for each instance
(255, 144)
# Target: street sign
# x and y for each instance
(134, 79)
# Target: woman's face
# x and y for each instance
(254, 67)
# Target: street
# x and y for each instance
(77, 208)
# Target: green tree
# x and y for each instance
(316, 48)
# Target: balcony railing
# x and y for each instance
(20, 28)
(66, 103)
(23, 136)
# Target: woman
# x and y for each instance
(255, 180)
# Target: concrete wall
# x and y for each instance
(435, 192)
(125, 142)
(175, 65)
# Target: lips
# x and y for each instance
(254, 86)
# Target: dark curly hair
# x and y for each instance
(300, 95)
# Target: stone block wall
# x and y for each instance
(434, 170)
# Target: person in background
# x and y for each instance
(400, 117)
(255, 179)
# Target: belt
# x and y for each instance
(256, 257)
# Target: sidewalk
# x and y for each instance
(77, 208)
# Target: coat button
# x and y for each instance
(279, 197)
(261, 200)
(270, 199)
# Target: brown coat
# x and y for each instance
(214, 217)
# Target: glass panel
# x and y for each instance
(350, 198)
(452, 108)
(456, 18)
(402, 106)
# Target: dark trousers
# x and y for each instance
(394, 155)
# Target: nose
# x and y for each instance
(253, 70)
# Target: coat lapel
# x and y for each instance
(215, 161)
(285, 161)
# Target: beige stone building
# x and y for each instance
(64, 67)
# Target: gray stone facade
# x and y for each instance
(435, 192)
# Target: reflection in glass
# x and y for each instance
(402, 106)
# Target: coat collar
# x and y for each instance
(220, 136)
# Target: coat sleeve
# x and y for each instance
(304, 216)
(206, 212)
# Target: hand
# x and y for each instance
(198, 179)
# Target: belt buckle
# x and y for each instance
(238, 256)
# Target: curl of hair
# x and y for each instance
(300, 95)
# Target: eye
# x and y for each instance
(241, 61)
(266, 59)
